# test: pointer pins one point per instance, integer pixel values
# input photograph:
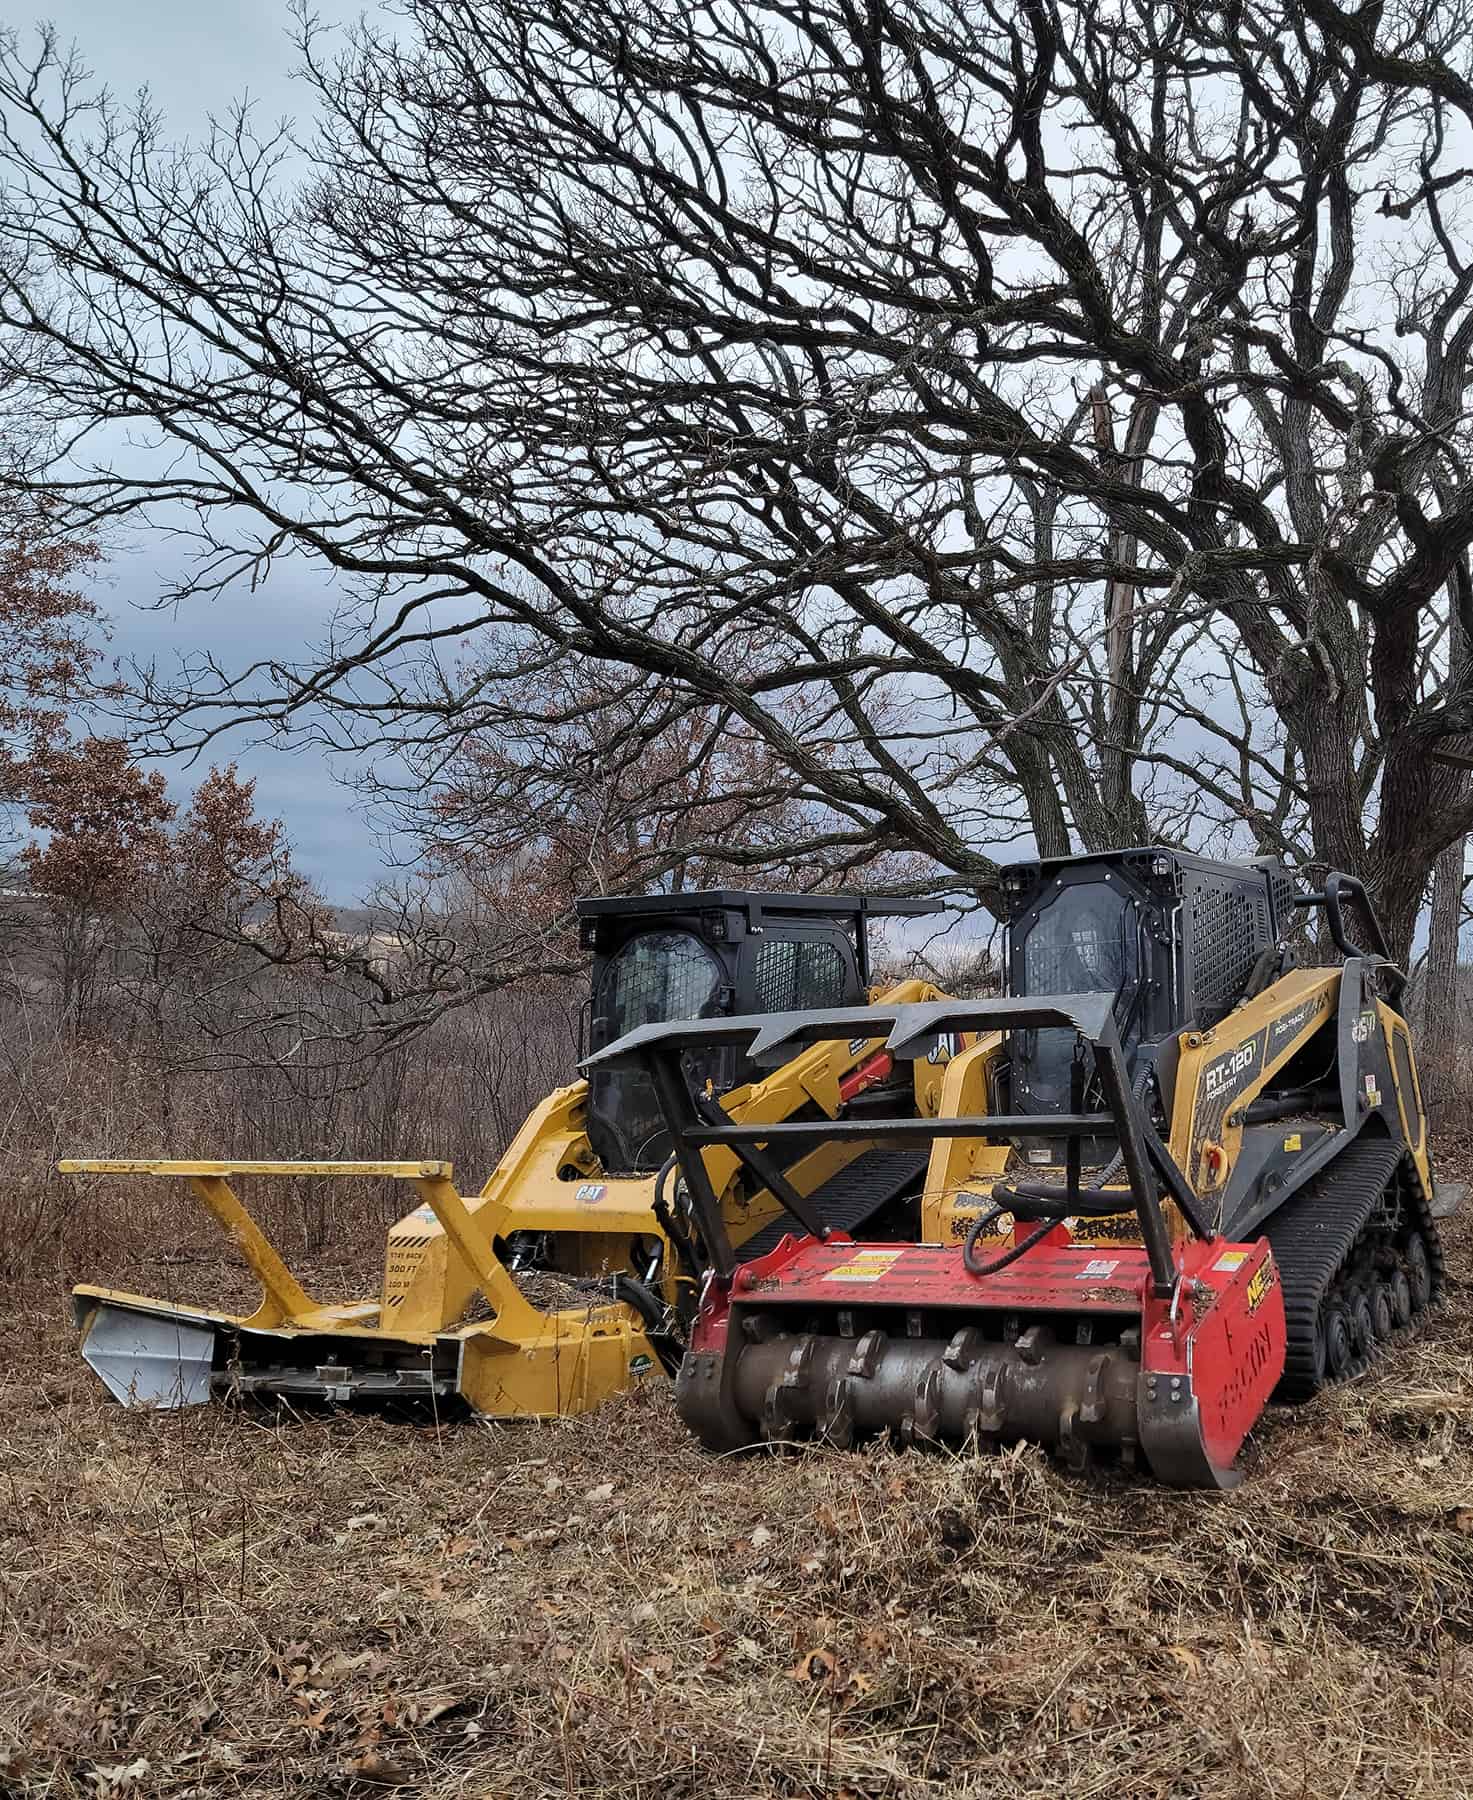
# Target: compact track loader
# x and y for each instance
(576, 1204)
(1172, 1174)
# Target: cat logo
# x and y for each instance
(591, 1192)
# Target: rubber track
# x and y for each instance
(1313, 1236)
(847, 1199)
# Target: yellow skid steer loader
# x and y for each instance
(580, 1195)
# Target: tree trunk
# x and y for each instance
(1438, 1051)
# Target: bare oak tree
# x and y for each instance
(961, 398)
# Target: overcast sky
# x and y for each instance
(196, 58)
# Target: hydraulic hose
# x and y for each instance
(1032, 1199)
(665, 1218)
(980, 1224)
(1052, 1200)
(655, 1317)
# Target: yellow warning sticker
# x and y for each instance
(863, 1265)
(1294, 1141)
(1230, 1260)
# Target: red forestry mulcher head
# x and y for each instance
(1147, 1205)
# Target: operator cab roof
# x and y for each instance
(1136, 853)
(833, 906)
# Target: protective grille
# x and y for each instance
(1091, 961)
(793, 977)
(1229, 928)
(657, 976)
(1285, 912)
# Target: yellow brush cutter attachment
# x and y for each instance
(516, 1360)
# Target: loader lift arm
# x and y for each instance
(284, 1301)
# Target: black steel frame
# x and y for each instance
(696, 1121)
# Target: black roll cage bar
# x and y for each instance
(696, 1121)
(1338, 884)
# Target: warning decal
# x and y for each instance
(863, 1265)
(1098, 1269)
(1230, 1260)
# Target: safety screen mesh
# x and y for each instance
(1284, 908)
(658, 975)
(1229, 928)
(1080, 944)
(793, 977)
(1083, 941)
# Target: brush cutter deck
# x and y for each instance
(516, 1357)
(1169, 1346)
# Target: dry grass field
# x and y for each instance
(226, 1603)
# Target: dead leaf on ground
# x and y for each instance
(339, 1664)
(430, 1708)
(1188, 1659)
(292, 1664)
(379, 1770)
(813, 1665)
(121, 1778)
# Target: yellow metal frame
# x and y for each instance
(519, 1360)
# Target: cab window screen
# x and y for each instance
(794, 977)
(657, 976)
(1079, 944)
